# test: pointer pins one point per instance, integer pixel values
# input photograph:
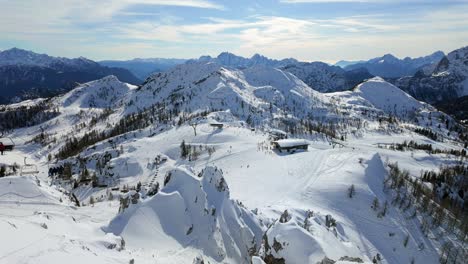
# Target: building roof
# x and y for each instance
(7, 141)
(277, 132)
(288, 143)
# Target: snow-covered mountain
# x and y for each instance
(325, 78)
(142, 68)
(232, 60)
(254, 92)
(379, 94)
(25, 74)
(389, 66)
(447, 81)
(318, 75)
(17, 56)
(158, 180)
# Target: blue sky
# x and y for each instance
(309, 30)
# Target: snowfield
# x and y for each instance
(233, 199)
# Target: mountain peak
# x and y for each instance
(389, 56)
(17, 50)
(226, 53)
(258, 56)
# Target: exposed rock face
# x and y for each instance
(325, 78)
(447, 81)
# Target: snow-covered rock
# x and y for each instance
(194, 211)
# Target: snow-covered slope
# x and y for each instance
(107, 92)
(384, 96)
(205, 85)
(279, 207)
(39, 225)
(192, 211)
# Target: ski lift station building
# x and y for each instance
(7, 142)
(290, 145)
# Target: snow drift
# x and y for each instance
(192, 211)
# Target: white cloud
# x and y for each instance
(327, 1)
(82, 10)
(352, 37)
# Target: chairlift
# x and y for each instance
(28, 169)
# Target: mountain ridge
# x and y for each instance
(25, 74)
(389, 66)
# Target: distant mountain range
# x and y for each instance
(344, 63)
(25, 74)
(436, 78)
(389, 66)
(142, 68)
(444, 82)
(232, 60)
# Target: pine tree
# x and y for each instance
(439, 216)
(183, 150)
(375, 204)
(351, 191)
(2, 171)
(84, 174)
(405, 241)
(138, 187)
(94, 180)
(67, 171)
(110, 196)
(385, 208)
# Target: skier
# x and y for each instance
(2, 147)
